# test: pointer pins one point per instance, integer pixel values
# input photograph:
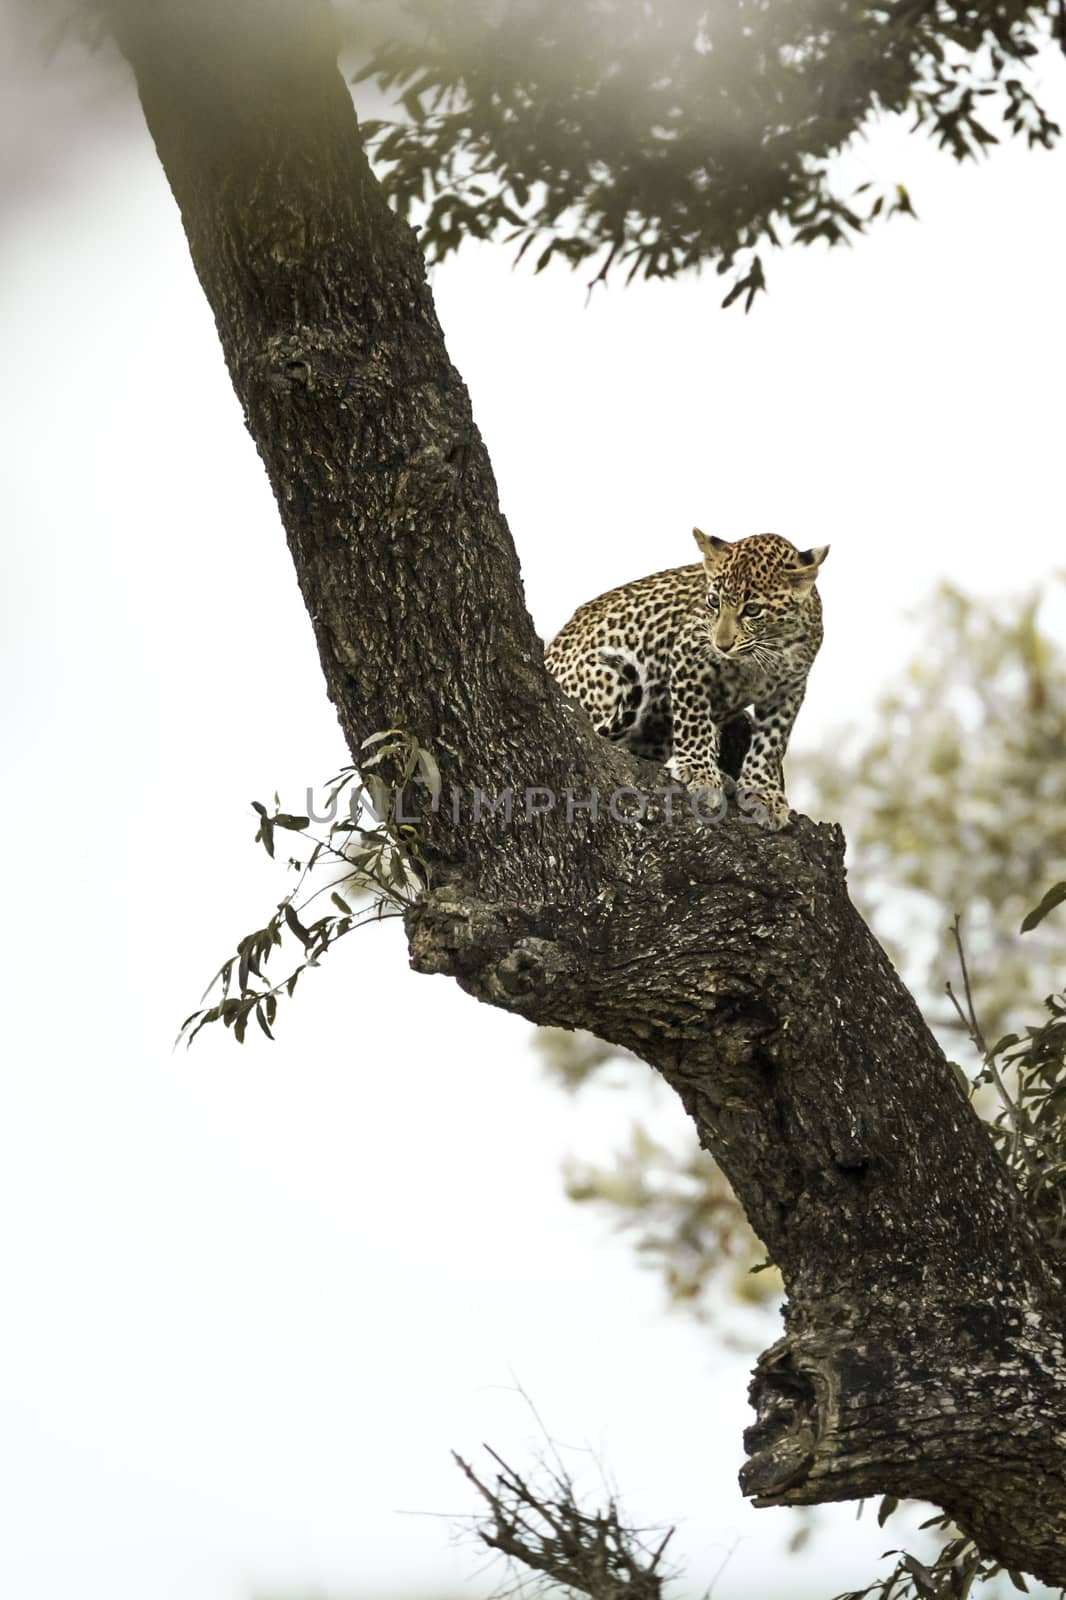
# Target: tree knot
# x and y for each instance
(527, 969)
(792, 1394)
(487, 946)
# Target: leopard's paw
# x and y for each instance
(767, 808)
(707, 800)
(706, 787)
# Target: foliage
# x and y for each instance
(380, 865)
(958, 1567)
(656, 137)
(955, 802)
(1027, 1072)
(686, 1219)
(573, 1058)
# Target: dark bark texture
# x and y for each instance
(923, 1353)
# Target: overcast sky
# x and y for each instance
(252, 1298)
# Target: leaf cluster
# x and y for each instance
(380, 865)
(650, 138)
(951, 798)
(959, 1566)
(1027, 1072)
(685, 1218)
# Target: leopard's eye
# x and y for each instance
(752, 610)
(712, 600)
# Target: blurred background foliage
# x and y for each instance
(952, 799)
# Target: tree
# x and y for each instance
(923, 1353)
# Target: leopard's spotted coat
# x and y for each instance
(661, 664)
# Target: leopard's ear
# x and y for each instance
(801, 577)
(714, 551)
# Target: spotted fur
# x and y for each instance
(661, 664)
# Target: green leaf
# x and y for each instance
(430, 771)
(289, 913)
(1054, 897)
(924, 1577)
(964, 1083)
(886, 1508)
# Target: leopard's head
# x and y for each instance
(759, 592)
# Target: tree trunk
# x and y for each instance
(924, 1327)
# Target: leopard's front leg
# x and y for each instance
(761, 787)
(697, 734)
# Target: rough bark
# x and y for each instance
(924, 1327)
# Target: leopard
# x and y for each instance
(661, 664)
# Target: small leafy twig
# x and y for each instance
(969, 1020)
(1018, 1121)
(382, 863)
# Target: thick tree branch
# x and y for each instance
(923, 1353)
(319, 292)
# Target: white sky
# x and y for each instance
(252, 1298)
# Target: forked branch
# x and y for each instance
(544, 1529)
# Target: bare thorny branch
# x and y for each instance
(594, 1553)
